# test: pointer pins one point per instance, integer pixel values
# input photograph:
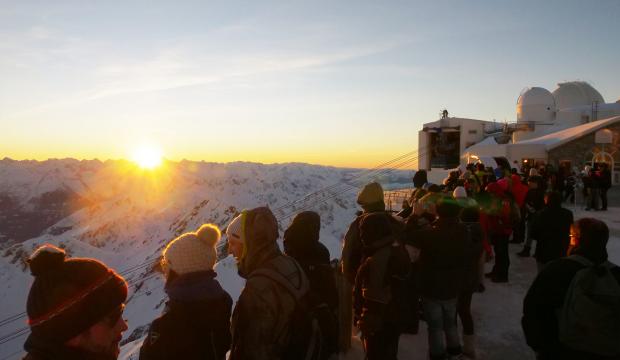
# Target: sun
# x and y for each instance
(147, 157)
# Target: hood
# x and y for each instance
(370, 198)
(303, 233)
(260, 229)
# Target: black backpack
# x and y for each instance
(313, 325)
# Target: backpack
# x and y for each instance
(313, 329)
(589, 320)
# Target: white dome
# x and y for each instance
(576, 93)
(535, 104)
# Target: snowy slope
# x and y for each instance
(126, 216)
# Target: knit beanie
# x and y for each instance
(459, 192)
(68, 296)
(192, 252)
(303, 233)
(235, 229)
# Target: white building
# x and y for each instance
(569, 127)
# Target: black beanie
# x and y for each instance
(68, 296)
(303, 232)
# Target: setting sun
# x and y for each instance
(147, 157)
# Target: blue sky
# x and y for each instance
(336, 82)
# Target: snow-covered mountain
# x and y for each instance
(124, 216)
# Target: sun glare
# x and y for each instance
(147, 157)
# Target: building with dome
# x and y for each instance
(568, 128)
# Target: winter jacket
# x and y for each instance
(262, 315)
(534, 201)
(196, 323)
(443, 256)
(41, 349)
(495, 217)
(551, 229)
(543, 302)
(519, 190)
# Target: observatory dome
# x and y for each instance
(576, 93)
(535, 104)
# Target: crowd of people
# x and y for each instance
(423, 263)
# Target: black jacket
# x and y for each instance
(196, 323)
(551, 229)
(543, 301)
(443, 257)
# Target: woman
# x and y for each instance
(196, 322)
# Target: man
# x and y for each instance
(551, 229)
(262, 318)
(74, 308)
(545, 298)
(443, 253)
(497, 222)
(534, 202)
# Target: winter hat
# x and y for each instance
(234, 229)
(192, 252)
(459, 193)
(68, 296)
(448, 208)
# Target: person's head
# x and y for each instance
(480, 167)
(258, 233)
(236, 236)
(76, 302)
(191, 252)
(459, 193)
(420, 178)
(553, 199)
(533, 172)
(589, 238)
(302, 234)
(448, 207)
(370, 198)
(375, 231)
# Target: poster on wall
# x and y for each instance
(444, 149)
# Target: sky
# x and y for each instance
(344, 83)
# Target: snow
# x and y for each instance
(128, 231)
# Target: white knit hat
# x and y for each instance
(235, 229)
(191, 252)
(459, 192)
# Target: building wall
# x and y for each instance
(580, 151)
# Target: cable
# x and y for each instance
(349, 185)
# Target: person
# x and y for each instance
(196, 322)
(379, 286)
(301, 242)
(546, 296)
(605, 184)
(442, 257)
(534, 202)
(551, 229)
(74, 307)
(470, 216)
(519, 193)
(262, 318)
(591, 188)
(420, 178)
(496, 221)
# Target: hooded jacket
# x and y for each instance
(261, 318)
(40, 349)
(370, 199)
(301, 242)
